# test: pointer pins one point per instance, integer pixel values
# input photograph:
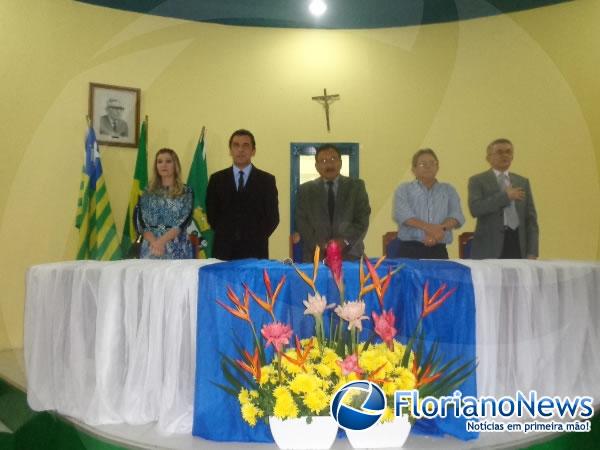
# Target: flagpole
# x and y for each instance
(89, 122)
(202, 134)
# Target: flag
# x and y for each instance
(97, 231)
(198, 181)
(140, 181)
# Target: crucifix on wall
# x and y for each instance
(326, 100)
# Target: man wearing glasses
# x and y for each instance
(332, 207)
(426, 211)
(502, 202)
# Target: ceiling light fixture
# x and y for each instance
(317, 7)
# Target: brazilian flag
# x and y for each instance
(140, 181)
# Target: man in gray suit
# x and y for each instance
(332, 207)
(502, 202)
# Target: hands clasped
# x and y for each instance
(434, 233)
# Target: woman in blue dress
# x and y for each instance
(165, 211)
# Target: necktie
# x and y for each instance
(330, 200)
(240, 186)
(511, 218)
(114, 123)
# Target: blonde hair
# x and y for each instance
(156, 184)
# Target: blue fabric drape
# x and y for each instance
(217, 414)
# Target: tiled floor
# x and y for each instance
(12, 369)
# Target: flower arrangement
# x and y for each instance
(303, 374)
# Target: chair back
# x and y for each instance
(390, 243)
(464, 244)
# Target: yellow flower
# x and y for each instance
(388, 415)
(285, 407)
(304, 382)
(280, 391)
(371, 360)
(250, 413)
(266, 372)
(404, 379)
(330, 356)
(389, 388)
(316, 400)
(323, 370)
(244, 396)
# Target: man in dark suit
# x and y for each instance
(241, 204)
(332, 207)
(502, 202)
(111, 123)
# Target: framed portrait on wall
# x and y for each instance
(115, 114)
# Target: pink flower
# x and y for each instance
(350, 364)
(333, 260)
(316, 304)
(384, 327)
(278, 334)
(353, 313)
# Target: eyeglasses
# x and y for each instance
(326, 160)
(427, 164)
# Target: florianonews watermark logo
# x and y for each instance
(366, 414)
(358, 405)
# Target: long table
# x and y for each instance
(116, 342)
(113, 342)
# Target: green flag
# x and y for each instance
(97, 231)
(198, 181)
(140, 181)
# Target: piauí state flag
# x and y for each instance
(198, 181)
(140, 181)
(97, 232)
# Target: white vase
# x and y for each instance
(296, 434)
(382, 435)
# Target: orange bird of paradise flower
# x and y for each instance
(301, 355)
(425, 377)
(380, 285)
(430, 304)
(311, 282)
(252, 364)
(269, 303)
(242, 309)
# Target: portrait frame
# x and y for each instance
(114, 112)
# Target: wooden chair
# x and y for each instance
(464, 244)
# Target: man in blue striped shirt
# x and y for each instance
(426, 211)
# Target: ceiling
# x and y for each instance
(340, 14)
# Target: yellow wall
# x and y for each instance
(530, 76)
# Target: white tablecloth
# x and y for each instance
(538, 327)
(113, 342)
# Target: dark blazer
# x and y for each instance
(106, 127)
(350, 218)
(487, 202)
(242, 221)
